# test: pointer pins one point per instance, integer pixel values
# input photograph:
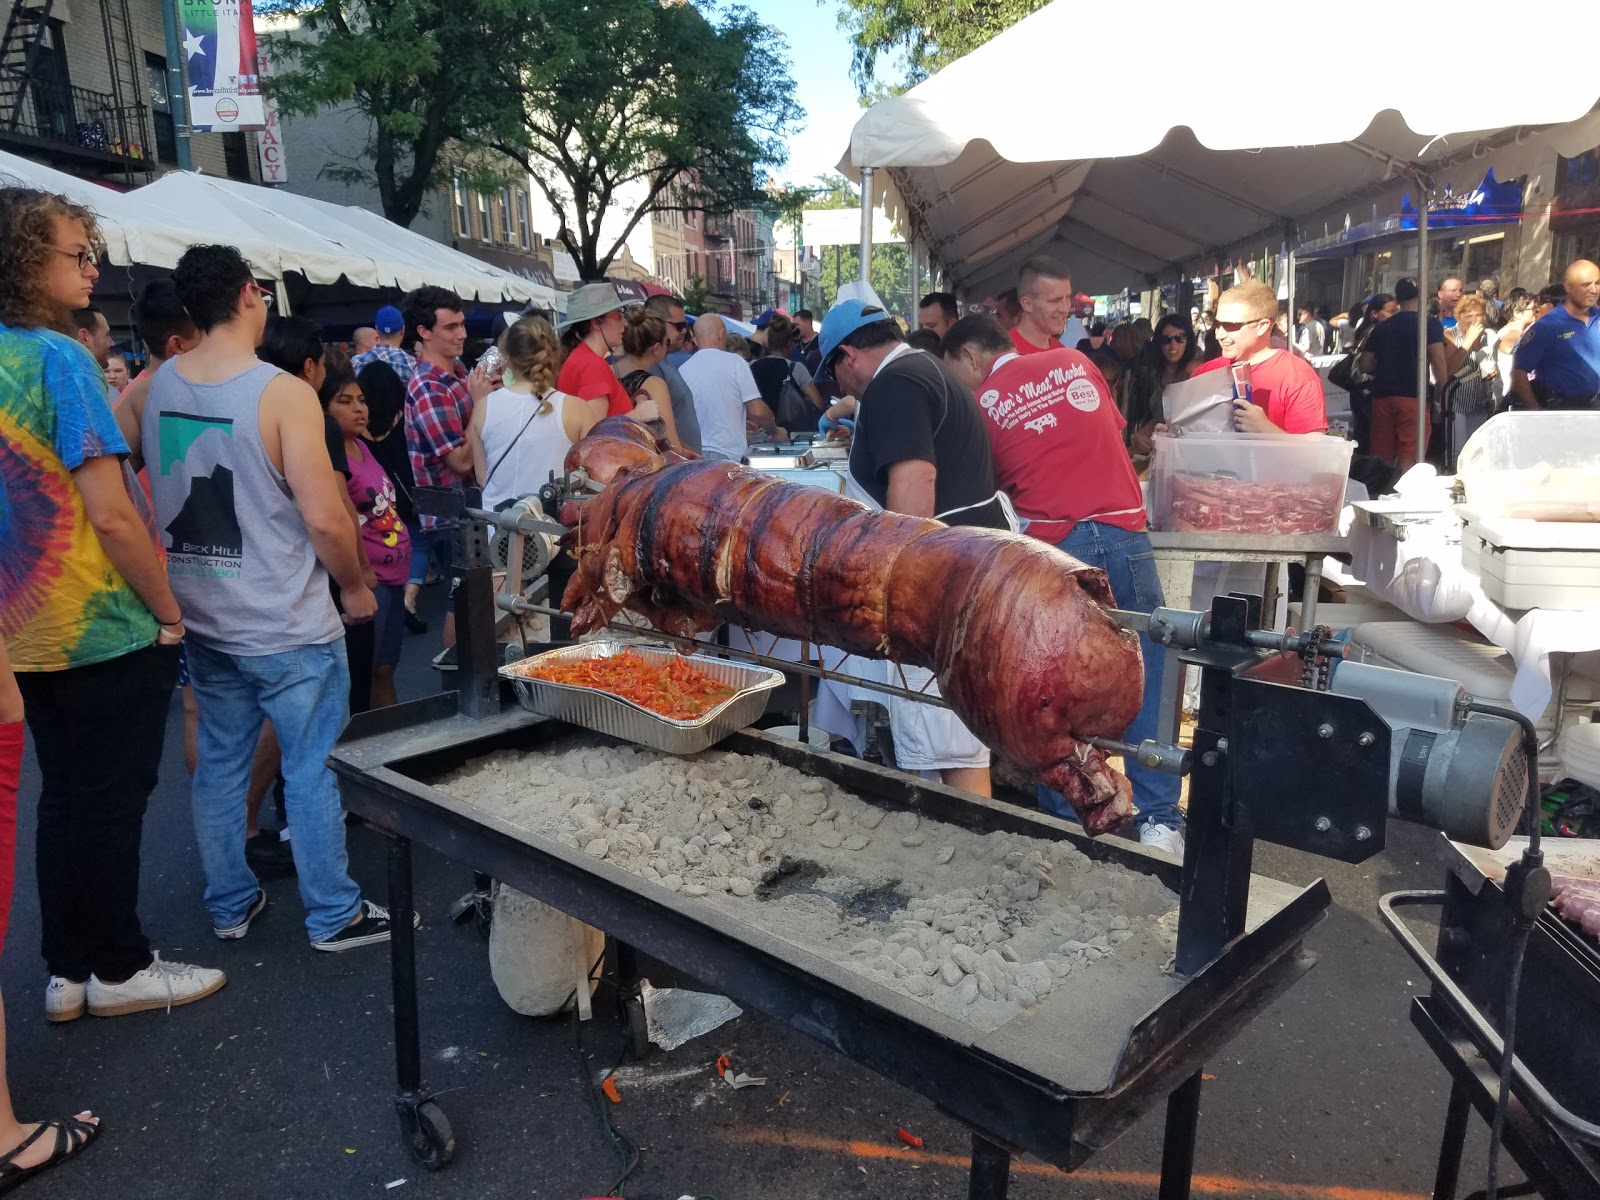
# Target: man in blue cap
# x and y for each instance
(391, 327)
(920, 448)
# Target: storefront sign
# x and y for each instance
(1490, 203)
(219, 55)
(269, 142)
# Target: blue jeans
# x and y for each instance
(306, 694)
(1130, 565)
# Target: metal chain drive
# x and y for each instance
(1316, 670)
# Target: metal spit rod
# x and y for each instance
(1157, 756)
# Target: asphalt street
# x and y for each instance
(281, 1084)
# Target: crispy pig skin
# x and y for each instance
(1015, 630)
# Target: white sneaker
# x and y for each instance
(63, 999)
(160, 985)
(1159, 837)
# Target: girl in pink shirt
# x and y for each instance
(383, 533)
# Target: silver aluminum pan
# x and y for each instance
(611, 714)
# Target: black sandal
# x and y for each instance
(72, 1136)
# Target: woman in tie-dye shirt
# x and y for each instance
(88, 618)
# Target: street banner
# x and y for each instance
(219, 56)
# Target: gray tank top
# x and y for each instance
(239, 555)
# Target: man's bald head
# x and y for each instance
(1583, 285)
(709, 330)
(363, 339)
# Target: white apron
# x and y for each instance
(927, 738)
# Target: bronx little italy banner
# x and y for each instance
(219, 52)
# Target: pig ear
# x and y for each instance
(1093, 581)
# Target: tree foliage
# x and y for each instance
(640, 106)
(424, 72)
(697, 295)
(924, 34)
(615, 110)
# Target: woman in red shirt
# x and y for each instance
(591, 333)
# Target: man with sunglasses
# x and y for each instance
(1285, 392)
(684, 420)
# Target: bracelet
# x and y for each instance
(178, 624)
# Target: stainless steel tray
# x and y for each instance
(606, 713)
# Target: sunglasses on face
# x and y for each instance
(1235, 326)
(1168, 339)
(680, 326)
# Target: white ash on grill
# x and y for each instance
(980, 927)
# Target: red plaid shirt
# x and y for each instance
(438, 408)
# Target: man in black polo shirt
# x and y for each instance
(920, 448)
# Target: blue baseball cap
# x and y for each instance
(388, 320)
(843, 319)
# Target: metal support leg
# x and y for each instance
(1177, 1148)
(630, 999)
(403, 971)
(1456, 1115)
(423, 1128)
(1308, 593)
(991, 1170)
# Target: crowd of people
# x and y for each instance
(238, 520)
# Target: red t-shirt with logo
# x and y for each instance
(1024, 346)
(1056, 436)
(1287, 387)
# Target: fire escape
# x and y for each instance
(43, 116)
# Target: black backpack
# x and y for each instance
(774, 376)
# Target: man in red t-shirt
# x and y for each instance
(1044, 294)
(1286, 394)
(1056, 437)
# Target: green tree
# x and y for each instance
(924, 34)
(891, 276)
(434, 86)
(697, 296)
(615, 111)
(654, 107)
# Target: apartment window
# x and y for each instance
(506, 233)
(485, 229)
(523, 223)
(155, 72)
(458, 193)
(236, 156)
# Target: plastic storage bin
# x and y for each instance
(1543, 466)
(1248, 483)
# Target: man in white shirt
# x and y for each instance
(725, 394)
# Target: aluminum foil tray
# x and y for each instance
(610, 714)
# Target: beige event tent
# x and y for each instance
(1223, 133)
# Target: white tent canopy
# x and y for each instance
(277, 232)
(990, 160)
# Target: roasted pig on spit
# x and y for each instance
(615, 443)
(1015, 631)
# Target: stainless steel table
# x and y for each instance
(1176, 554)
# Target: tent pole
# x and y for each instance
(282, 290)
(1422, 320)
(1288, 262)
(914, 269)
(866, 225)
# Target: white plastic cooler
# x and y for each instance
(1524, 564)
